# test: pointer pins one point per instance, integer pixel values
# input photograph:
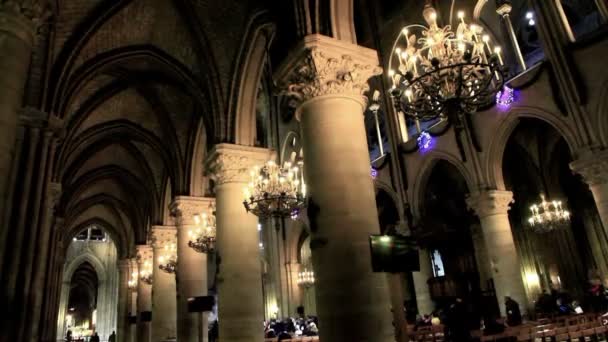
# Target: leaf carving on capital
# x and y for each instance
(232, 167)
(593, 170)
(490, 202)
(184, 210)
(35, 10)
(163, 236)
(144, 253)
(320, 74)
(54, 194)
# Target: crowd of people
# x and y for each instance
(291, 327)
(458, 321)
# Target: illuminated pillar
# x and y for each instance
(124, 269)
(164, 301)
(594, 170)
(330, 77)
(192, 270)
(491, 206)
(421, 285)
(240, 302)
(144, 295)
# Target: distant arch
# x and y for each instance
(493, 162)
(421, 180)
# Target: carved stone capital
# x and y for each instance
(59, 223)
(144, 253)
(163, 235)
(322, 65)
(23, 17)
(228, 163)
(184, 208)
(490, 202)
(53, 194)
(593, 168)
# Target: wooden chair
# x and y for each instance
(600, 332)
(575, 336)
(589, 334)
(548, 336)
(562, 338)
(524, 337)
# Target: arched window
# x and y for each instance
(91, 233)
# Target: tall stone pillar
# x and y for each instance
(481, 256)
(122, 321)
(421, 285)
(164, 301)
(594, 169)
(19, 21)
(144, 294)
(192, 270)
(295, 291)
(274, 253)
(240, 303)
(491, 206)
(329, 77)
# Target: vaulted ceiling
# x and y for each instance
(137, 85)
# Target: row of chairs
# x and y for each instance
(295, 339)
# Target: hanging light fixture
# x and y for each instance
(203, 236)
(145, 274)
(167, 261)
(275, 191)
(133, 281)
(548, 216)
(306, 278)
(439, 74)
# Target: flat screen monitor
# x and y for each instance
(393, 254)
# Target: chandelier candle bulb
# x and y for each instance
(497, 52)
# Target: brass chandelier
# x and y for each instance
(306, 278)
(145, 274)
(275, 191)
(203, 236)
(438, 74)
(133, 281)
(547, 216)
(167, 261)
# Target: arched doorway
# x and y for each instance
(449, 235)
(536, 161)
(89, 289)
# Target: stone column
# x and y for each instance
(481, 256)
(273, 249)
(19, 21)
(164, 301)
(124, 274)
(329, 77)
(594, 169)
(63, 307)
(42, 263)
(295, 291)
(240, 303)
(144, 294)
(192, 270)
(421, 285)
(491, 206)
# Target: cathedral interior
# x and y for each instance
(176, 170)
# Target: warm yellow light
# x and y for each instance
(460, 14)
